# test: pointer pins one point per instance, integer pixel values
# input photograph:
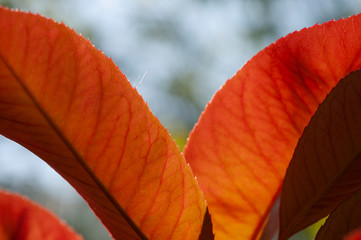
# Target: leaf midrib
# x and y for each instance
(74, 151)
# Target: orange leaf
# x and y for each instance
(70, 105)
(244, 140)
(21, 219)
(346, 218)
(325, 168)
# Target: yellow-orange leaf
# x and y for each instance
(69, 104)
(244, 140)
(346, 218)
(21, 219)
(325, 168)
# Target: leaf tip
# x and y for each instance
(207, 228)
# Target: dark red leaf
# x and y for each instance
(346, 218)
(325, 168)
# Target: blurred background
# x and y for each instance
(177, 53)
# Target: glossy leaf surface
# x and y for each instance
(21, 219)
(325, 168)
(346, 218)
(244, 140)
(68, 103)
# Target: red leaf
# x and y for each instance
(21, 219)
(346, 218)
(355, 235)
(325, 168)
(69, 104)
(245, 138)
